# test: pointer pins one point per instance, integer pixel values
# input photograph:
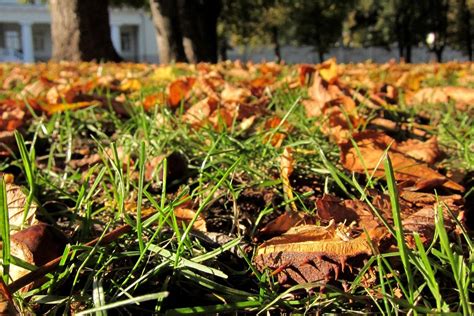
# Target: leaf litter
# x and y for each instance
(320, 234)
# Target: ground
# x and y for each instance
(239, 187)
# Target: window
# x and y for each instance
(126, 42)
(38, 41)
(12, 40)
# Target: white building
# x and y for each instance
(25, 32)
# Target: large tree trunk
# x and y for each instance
(198, 22)
(168, 32)
(186, 29)
(80, 30)
(464, 27)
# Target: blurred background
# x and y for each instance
(295, 31)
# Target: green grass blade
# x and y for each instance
(130, 301)
(5, 231)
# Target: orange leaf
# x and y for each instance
(179, 90)
(372, 146)
(186, 215)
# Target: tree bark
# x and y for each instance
(186, 29)
(276, 44)
(80, 31)
(198, 22)
(465, 27)
(439, 54)
(168, 32)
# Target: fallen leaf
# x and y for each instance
(319, 96)
(198, 113)
(179, 90)
(20, 251)
(7, 143)
(372, 145)
(16, 202)
(152, 100)
(232, 94)
(283, 223)
(314, 253)
(43, 241)
(186, 215)
(276, 137)
(130, 84)
(7, 306)
(61, 107)
(328, 70)
(287, 163)
(427, 151)
(347, 211)
(462, 96)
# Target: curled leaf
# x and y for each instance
(370, 149)
(314, 253)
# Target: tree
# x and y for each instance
(437, 25)
(386, 21)
(320, 23)
(463, 33)
(256, 22)
(186, 29)
(364, 26)
(80, 30)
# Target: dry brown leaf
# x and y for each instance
(7, 306)
(232, 94)
(12, 115)
(319, 96)
(276, 140)
(16, 202)
(20, 250)
(423, 221)
(462, 96)
(427, 151)
(314, 253)
(287, 163)
(200, 112)
(283, 223)
(186, 215)
(347, 211)
(372, 146)
(7, 143)
(43, 241)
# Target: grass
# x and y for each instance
(160, 265)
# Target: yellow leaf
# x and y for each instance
(54, 108)
(328, 70)
(164, 74)
(130, 85)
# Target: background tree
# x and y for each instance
(463, 34)
(364, 27)
(186, 29)
(249, 23)
(80, 30)
(437, 24)
(319, 23)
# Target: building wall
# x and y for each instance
(37, 16)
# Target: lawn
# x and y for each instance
(184, 189)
